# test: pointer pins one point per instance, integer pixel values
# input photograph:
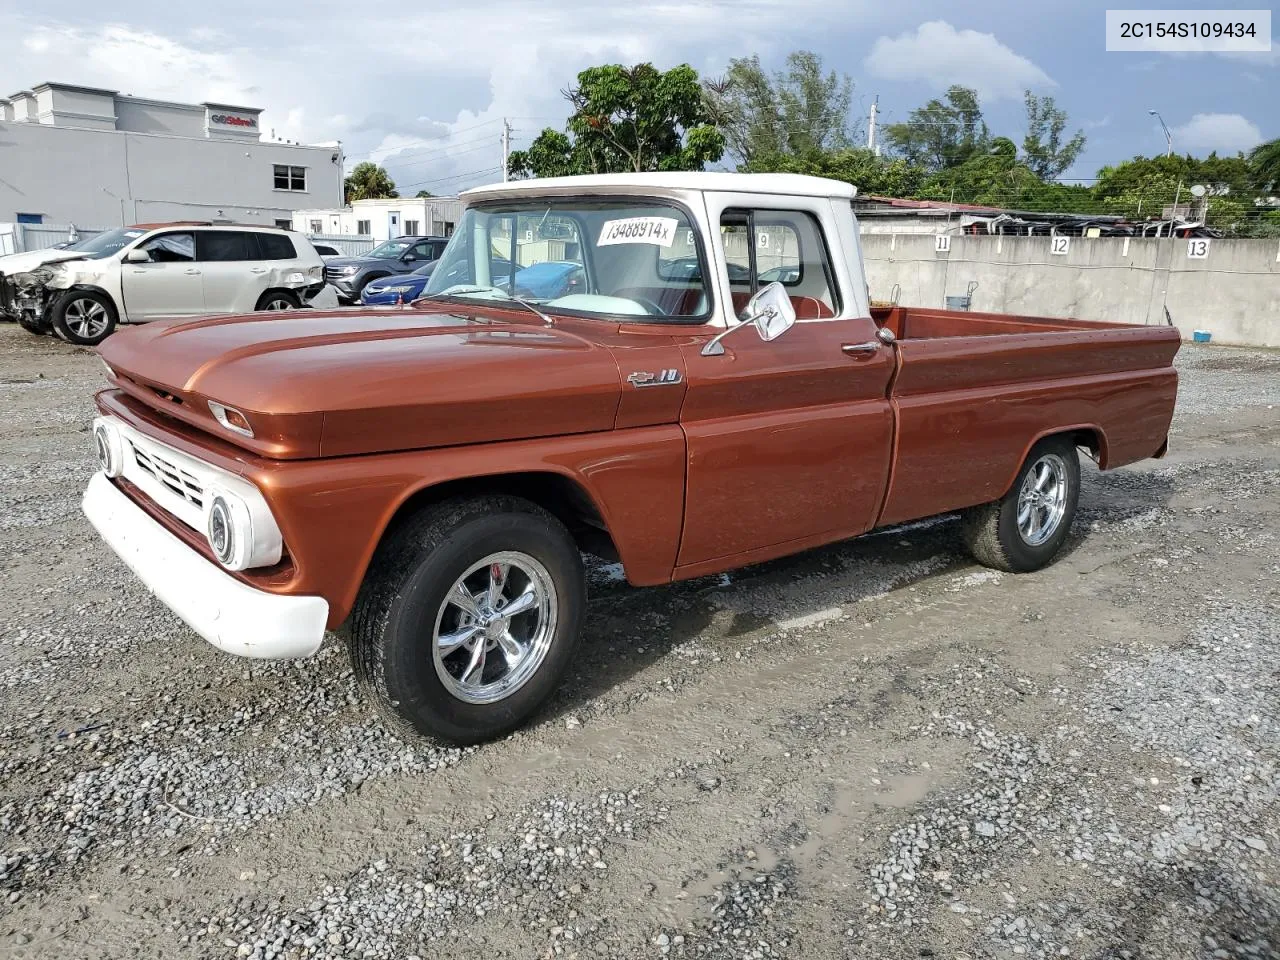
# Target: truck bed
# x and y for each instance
(973, 391)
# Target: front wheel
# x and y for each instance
(84, 317)
(1025, 529)
(468, 617)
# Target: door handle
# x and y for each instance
(258, 270)
(192, 272)
(870, 346)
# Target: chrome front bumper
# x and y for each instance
(230, 614)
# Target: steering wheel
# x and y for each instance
(652, 308)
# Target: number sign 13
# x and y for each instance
(1198, 249)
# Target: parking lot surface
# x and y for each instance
(875, 750)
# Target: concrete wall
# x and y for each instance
(1234, 292)
(105, 177)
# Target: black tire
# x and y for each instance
(34, 324)
(84, 317)
(992, 531)
(279, 300)
(392, 629)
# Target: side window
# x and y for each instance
(423, 251)
(225, 245)
(171, 248)
(275, 246)
(779, 246)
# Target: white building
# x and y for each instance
(98, 158)
(383, 219)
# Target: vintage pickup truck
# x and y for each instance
(427, 479)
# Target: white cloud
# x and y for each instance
(1223, 132)
(425, 97)
(938, 54)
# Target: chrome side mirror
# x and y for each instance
(769, 311)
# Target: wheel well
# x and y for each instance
(274, 290)
(1092, 440)
(560, 496)
(86, 288)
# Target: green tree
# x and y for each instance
(942, 133)
(627, 119)
(1264, 160)
(423, 193)
(886, 176)
(800, 110)
(1043, 149)
(368, 181)
(1144, 185)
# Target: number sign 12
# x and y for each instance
(1198, 249)
(1060, 246)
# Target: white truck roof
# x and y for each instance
(785, 184)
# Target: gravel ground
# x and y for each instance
(874, 750)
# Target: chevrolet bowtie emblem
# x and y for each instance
(659, 379)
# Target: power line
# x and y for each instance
(456, 176)
(428, 141)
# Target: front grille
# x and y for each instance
(332, 273)
(172, 476)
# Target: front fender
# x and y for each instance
(333, 512)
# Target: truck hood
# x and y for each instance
(330, 384)
(16, 263)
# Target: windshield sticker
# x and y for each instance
(656, 230)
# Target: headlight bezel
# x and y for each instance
(250, 541)
(109, 448)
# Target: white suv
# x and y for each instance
(157, 271)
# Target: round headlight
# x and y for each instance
(107, 446)
(222, 532)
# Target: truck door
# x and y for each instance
(789, 442)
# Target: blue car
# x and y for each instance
(542, 281)
(546, 281)
(397, 288)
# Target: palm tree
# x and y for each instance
(1265, 161)
(368, 181)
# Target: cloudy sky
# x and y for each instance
(422, 87)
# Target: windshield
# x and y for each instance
(105, 244)
(390, 249)
(605, 257)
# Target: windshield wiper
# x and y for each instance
(463, 290)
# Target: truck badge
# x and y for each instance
(660, 379)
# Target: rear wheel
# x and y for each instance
(279, 300)
(85, 317)
(1025, 529)
(468, 617)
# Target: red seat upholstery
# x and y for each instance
(806, 308)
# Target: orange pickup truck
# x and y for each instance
(699, 384)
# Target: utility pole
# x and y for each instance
(871, 127)
(506, 147)
(1168, 137)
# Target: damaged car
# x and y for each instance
(157, 271)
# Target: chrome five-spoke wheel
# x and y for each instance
(1042, 499)
(494, 628)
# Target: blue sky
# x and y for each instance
(423, 88)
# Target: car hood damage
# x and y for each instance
(342, 383)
